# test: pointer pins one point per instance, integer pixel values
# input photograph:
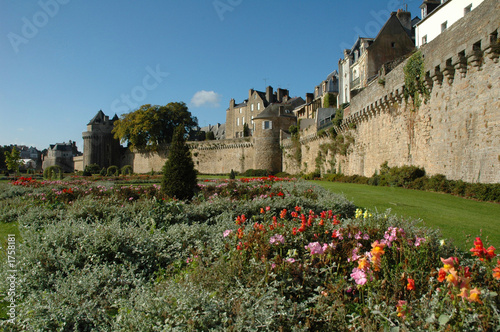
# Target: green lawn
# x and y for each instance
(455, 216)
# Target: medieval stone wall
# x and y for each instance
(209, 157)
(457, 133)
(220, 157)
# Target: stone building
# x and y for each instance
(237, 115)
(363, 61)
(218, 130)
(329, 87)
(314, 101)
(61, 154)
(439, 15)
(99, 145)
(31, 153)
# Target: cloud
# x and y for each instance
(206, 98)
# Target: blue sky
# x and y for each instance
(61, 61)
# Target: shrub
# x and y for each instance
(179, 175)
(91, 170)
(113, 171)
(438, 183)
(53, 172)
(232, 175)
(312, 175)
(256, 172)
(127, 170)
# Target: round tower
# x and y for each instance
(267, 136)
(99, 145)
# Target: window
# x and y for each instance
(243, 120)
(393, 45)
(267, 125)
(444, 26)
(258, 106)
(241, 110)
(424, 40)
(238, 121)
(252, 107)
(467, 9)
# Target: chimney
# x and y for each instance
(269, 94)
(405, 19)
(281, 94)
(250, 92)
(309, 98)
(231, 103)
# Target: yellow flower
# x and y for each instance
(359, 213)
(474, 295)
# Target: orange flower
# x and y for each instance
(496, 271)
(464, 293)
(377, 251)
(377, 248)
(363, 263)
(452, 277)
(411, 284)
(474, 295)
(402, 308)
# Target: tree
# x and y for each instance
(209, 136)
(246, 130)
(179, 175)
(13, 160)
(152, 126)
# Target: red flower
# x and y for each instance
(411, 284)
(482, 253)
(441, 275)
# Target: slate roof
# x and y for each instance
(273, 111)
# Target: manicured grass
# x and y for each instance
(456, 217)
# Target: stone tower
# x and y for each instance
(99, 145)
(269, 125)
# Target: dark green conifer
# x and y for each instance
(179, 175)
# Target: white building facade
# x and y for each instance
(441, 18)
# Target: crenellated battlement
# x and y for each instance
(470, 44)
(234, 143)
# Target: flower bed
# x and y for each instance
(249, 254)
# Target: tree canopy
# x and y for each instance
(152, 126)
(13, 160)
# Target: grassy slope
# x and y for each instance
(455, 216)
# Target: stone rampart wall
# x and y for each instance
(209, 157)
(220, 157)
(457, 133)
